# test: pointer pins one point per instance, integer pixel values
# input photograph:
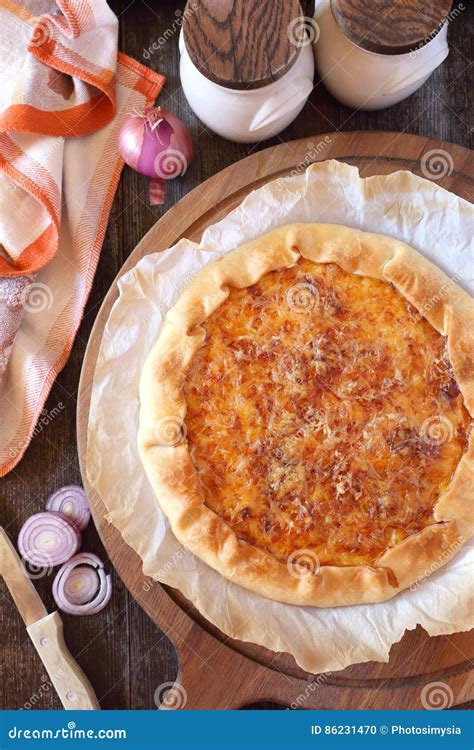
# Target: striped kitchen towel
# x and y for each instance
(64, 91)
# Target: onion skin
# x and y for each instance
(131, 137)
(156, 144)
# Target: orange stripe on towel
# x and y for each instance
(30, 175)
(76, 121)
(24, 171)
(20, 11)
(146, 80)
(36, 255)
(88, 239)
(83, 118)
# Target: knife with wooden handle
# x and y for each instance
(46, 632)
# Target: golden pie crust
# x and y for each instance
(305, 416)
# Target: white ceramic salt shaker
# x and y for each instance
(371, 56)
(246, 69)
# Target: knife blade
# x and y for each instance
(46, 633)
(23, 592)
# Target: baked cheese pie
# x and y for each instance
(305, 416)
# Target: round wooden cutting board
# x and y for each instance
(217, 672)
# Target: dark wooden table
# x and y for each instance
(123, 653)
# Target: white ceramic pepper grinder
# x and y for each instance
(371, 55)
(246, 66)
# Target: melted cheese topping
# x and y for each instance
(322, 414)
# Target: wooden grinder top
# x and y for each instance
(242, 44)
(390, 27)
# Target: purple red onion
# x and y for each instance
(157, 144)
(72, 502)
(47, 539)
(52, 538)
(81, 586)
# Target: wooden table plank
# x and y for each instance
(122, 652)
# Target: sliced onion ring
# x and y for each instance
(81, 584)
(72, 501)
(47, 539)
(72, 587)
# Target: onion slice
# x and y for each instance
(47, 539)
(72, 502)
(81, 586)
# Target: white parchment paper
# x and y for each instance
(435, 222)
